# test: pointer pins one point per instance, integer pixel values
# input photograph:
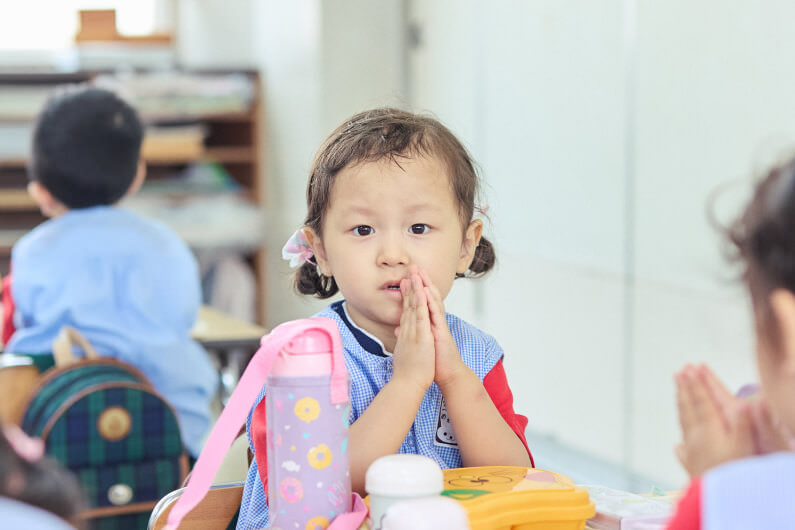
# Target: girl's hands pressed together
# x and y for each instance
(414, 350)
(716, 428)
(448, 359)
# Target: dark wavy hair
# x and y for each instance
(86, 146)
(763, 239)
(388, 133)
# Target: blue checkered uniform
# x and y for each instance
(369, 370)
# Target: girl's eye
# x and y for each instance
(363, 230)
(419, 228)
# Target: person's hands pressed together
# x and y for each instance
(716, 428)
(448, 363)
(414, 350)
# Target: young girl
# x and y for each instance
(390, 225)
(739, 452)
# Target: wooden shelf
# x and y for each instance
(230, 154)
(223, 155)
(179, 117)
(13, 162)
(16, 200)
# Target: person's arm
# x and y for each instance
(7, 323)
(383, 426)
(496, 385)
(483, 436)
(688, 510)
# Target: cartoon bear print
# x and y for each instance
(445, 436)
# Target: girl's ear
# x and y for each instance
(782, 304)
(49, 205)
(140, 176)
(468, 246)
(319, 251)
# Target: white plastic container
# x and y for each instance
(395, 478)
(426, 513)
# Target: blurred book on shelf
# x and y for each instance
(173, 94)
(205, 206)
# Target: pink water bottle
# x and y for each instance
(307, 407)
(309, 481)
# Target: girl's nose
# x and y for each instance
(393, 252)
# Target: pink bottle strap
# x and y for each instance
(240, 403)
(339, 374)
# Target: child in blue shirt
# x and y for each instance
(391, 225)
(130, 285)
(739, 453)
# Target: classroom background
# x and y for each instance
(615, 137)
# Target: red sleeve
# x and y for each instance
(8, 310)
(496, 384)
(688, 511)
(259, 439)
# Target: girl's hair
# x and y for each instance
(764, 239)
(42, 483)
(388, 133)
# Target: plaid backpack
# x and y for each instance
(104, 421)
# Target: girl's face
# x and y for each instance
(775, 355)
(382, 218)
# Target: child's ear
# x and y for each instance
(49, 205)
(140, 176)
(319, 251)
(469, 245)
(782, 305)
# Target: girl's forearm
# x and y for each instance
(381, 429)
(484, 438)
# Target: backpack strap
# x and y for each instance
(63, 343)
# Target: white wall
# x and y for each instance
(216, 33)
(596, 314)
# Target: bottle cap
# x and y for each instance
(404, 475)
(309, 342)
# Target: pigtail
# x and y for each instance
(484, 258)
(309, 281)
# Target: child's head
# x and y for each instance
(86, 150)
(388, 189)
(764, 236)
(25, 475)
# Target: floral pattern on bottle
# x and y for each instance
(309, 457)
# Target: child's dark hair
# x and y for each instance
(388, 133)
(764, 238)
(42, 483)
(86, 147)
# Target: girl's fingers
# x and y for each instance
(437, 313)
(426, 280)
(716, 386)
(743, 430)
(421, 299)
(705, 410)
(724, 399)
(407, 318)
(681, 454)
(683, 404)
(405, 291)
